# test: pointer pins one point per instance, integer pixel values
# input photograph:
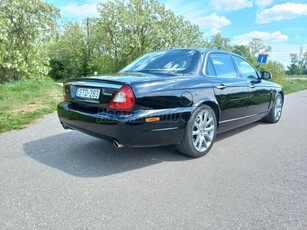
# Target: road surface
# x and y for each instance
(255, 177)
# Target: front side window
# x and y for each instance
(245, 69)
(169, 61)
(223, 65)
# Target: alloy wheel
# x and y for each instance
(203, 130)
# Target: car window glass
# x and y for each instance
(223, 65)
(169, 61)
(245, 69)
(209, 68)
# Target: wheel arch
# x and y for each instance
(214, 105)
(282, 94)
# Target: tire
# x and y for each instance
(276, 111)
(200, 133)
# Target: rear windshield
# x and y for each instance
(169, 61)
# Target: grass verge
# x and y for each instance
(294, 85)
(23, 102)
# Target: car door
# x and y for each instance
(230, 90)
(259, 92)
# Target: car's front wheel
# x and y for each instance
(200, 132)
(275, 113)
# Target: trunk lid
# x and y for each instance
(97, 92)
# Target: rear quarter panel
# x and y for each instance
(174, 92)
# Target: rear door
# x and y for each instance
(259, 92)
(230, 90)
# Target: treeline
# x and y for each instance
(121, 33)
(33, 44)
(26, 26)
(298, 64)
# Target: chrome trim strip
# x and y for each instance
(240, 118)
(96, 84)
(87, 101)
(164, 129)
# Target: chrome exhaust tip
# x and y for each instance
(64, 126)
(117, 145)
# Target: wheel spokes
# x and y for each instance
(278, 107)
(195, 132)
(203, 130)
(208, 137)
(210, 128)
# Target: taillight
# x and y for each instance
(123, 99)
(66, 98)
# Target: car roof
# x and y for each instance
(204, 50)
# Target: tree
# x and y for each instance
(25, 27)
(298, 63)
(256, 46)
(218, 42)
(123, 31)
(277, 70)
(130, 29)
(243, 50)
(69, 52)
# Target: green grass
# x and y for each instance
(294, 85)
(23, 102)
(297, 76)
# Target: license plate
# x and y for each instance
(88, 93)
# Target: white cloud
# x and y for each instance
(281, 12)
(276, 36)
(213, 22)
(231, 5)
(76, 9)
(263, 3)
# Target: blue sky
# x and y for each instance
(281, 24)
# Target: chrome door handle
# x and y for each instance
(252, 86)
(221, 86)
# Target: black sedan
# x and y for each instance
(177, 96)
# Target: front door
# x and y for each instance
(259, 93)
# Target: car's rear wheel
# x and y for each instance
(275, 113)
(200, 132)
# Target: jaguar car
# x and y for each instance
(181, 97)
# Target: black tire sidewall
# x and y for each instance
(271, 117)
(187, 144)
(282, 104)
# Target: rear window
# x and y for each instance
(169, 61)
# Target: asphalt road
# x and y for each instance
(255, 177)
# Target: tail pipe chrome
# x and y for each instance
(117, 144)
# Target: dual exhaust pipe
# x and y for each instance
(117, 144)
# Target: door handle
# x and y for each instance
(221, 86)
(251, 85)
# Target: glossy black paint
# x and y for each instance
(171, 97)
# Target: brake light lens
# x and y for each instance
(66, 98)
(123, 99)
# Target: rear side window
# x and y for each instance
(245, 69)
(223, 65)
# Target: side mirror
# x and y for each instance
(266, 75)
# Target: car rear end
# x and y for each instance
(110, 109)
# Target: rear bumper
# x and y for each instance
(130, 130)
